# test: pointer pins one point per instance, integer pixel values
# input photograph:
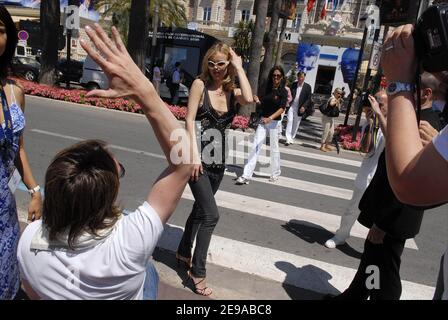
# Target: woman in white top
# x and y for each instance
(418, 174)
(156, 77)
(84, 248)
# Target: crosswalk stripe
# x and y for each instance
(297, 184)
(283, 267)
(300, 166)
(284, 212)
(303, 154)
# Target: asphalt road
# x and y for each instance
(272, 231)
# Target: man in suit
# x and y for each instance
(301, 104)
(390, 222)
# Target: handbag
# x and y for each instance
(254, 120)
(323, 108)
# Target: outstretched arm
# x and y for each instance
(127, 80)
(418, 175)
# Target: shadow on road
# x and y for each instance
(313, 278)
(313, 233)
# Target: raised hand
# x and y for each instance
(235, 59)
(375, 105)
(125, 78)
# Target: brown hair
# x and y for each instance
(81, 186)
(229, 82)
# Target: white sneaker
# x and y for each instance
(333, 242)
(241, 180)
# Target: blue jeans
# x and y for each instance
(151, 284)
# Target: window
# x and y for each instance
(218, 14)
(296, 21)
(207, 14)
(245, 15)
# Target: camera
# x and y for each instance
(365, 99)
(431, 38)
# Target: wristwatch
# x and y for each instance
(34, 190)
(396, 87)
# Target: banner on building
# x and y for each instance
(397, 12)
(86, 7)
(326, 67)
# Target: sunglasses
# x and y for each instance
(219, 64)
(122, 171)
(276, 76)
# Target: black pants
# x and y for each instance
(174, 88)
(202, 220)
(387, 257)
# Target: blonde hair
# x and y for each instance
(229, 82)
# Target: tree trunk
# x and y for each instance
(278, 56)
(138, 31)
(261, 10)
(270, 46)
(50, 17)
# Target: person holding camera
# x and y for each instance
(390, 221)
(333, 106)
(408, 159)
(367, 170)
(84, 247)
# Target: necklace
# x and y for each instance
(219, 93)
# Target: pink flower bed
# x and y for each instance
(345, 138)
(79, 96)
(240, 122)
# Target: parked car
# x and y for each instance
(70, 71)
(165, 93)
(93, 76)
(26, 67)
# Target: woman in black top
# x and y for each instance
(211, 108)
(273, 104)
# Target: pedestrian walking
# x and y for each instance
(14, 163)
(157, 77)
(367, 170)
(301, 95)
(84, 247)
(333, 106)
(273, 104)
(174, 86)
(211, 108)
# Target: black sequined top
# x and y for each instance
(213, 125)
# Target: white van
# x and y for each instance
(93, 76)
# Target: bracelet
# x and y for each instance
(34, 190)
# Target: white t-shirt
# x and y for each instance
(441, 144)
(295, 103)
(111, 269)
(369, 164)
(157, 76)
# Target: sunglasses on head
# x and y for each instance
(219, 64)
(122, 171)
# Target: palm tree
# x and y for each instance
(242, 39)
(270, 45)
(171, 13)
(261, 11)
(50, 17)
(138, 31)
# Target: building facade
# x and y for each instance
(333, 25)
